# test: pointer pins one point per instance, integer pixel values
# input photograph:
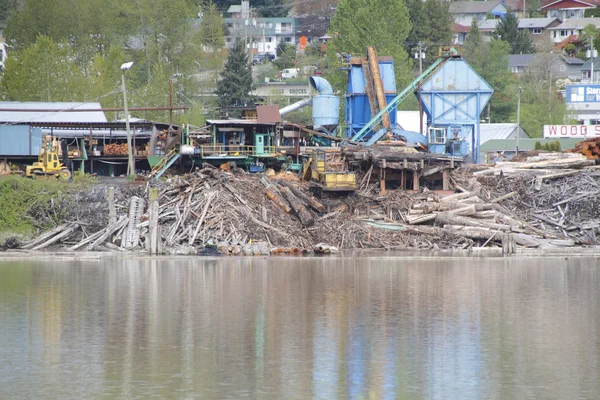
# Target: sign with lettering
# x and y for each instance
(582, 93)
(571, 131)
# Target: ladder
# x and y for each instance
(403, 95)
(164, 164)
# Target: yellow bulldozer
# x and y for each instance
(328, 172)
(48, 163)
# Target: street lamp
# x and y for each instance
(518, 117)
(130, 165)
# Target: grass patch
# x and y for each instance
(27, 205)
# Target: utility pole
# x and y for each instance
(518, 117)
(130, 162)
(420, 55)
(592, 56)
(264, 50)
(250, 43)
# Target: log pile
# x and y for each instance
(233, 212)
(115, 149)
(590, 148)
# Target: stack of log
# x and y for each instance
(590, 148)
(465, 214)
(115, 149)
(543, 164)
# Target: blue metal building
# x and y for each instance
(358, 111)
(453, 97)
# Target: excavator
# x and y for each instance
(48, 163)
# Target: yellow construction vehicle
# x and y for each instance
(328, 171)
(48, 163)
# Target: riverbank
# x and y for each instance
(546, 203)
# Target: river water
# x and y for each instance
(300, 328)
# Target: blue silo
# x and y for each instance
(358, 111)
(325, 106)
(453, 97)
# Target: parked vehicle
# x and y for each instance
(262, 57)
(289, 73)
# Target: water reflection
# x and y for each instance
(354, 328)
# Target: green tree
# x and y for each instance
(211, 38)
(431, 24)
(43, 72)
(236, 79)
(507, 31)
(490, 60)
(6, 8)
(541, 102)
(353, 29)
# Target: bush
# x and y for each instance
(28, 204)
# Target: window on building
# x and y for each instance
(261, 25)
(563, 33)
(437, 135)
(287, 39)
(554, 34)
(585, 74)
(563, 68)
(594, 121)
(514, 70)
(268, 39)
(537, 31)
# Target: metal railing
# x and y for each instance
(237, 151)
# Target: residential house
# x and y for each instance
(312, 28)
(460, 33)
(586, 70)
(567, 9)
(465, 11)
(516, 7)
(571, 29)
(264, 33)
(533, 26)
(3, 55)
(561, 66)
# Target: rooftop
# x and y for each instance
(524, 23)
(577, 23)
(499, 131)
(473, 7)
(24, 112)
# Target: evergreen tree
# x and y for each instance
(353, 29)
(236, 79)
(431, 23)
(490, 60)
(507, 31)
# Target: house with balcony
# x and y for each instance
(533, 26)
(567, 9)
(263, 33)
(571, 29)
(465, 11)
(561, 66)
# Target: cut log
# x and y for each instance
(301, 211)
(58, 237)
(449, 219)
(109, 231)
(209, 198)
(308, 201)
(45, 236)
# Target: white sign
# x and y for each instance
(571, 131)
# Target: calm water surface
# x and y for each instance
(331, 328)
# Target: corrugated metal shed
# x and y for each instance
(499, 145)
(62, 114)
(500, 131)
(20, 140)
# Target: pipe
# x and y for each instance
(295, 106)
(321, 85)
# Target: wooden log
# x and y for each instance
(58, 237)
(455, 197)
(277, 200)
(88, 239)
(308, 201)
(467, 210)
(153, 207)
(45, 236)
(110, 230)
(209, 198)
(274, 195)
(449, 219)
(301, 211)
(419, 219)
(502, 198)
